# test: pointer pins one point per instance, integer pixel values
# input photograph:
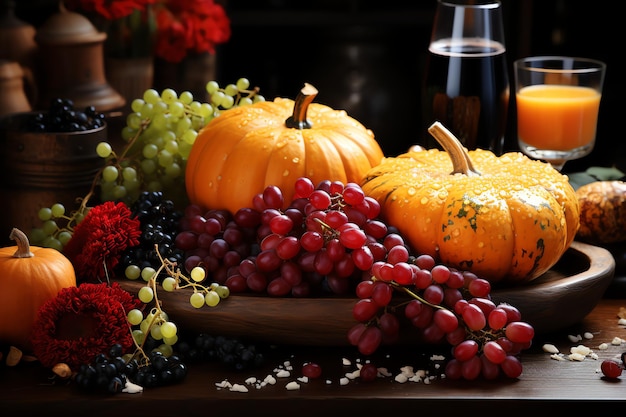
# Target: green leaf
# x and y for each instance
(605, 174)
(578, 179)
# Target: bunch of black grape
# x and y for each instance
(111, 372)
(159, 225)
(63, 117)
(232, 352)
(324, 242)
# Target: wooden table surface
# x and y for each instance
(545, 385)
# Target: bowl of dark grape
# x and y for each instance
(60, 118)
(47, 156)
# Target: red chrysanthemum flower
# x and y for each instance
(171, 43)
(109, 9)
(183, 26)
(190, 25)
(98, 241)
(81, 322)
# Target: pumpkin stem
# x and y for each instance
(298, 119)
(461, 162)
(23, 245)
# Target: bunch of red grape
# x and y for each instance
(443, 305)
(324, 242)
(329, 240)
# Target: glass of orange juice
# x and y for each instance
(558, 100)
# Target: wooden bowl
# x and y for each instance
(561, 297)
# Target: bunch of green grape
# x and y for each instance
(159, 132)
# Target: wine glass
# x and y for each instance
(466, 83)
(558, 101)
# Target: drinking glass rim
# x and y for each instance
(595, 64)
(485, 4)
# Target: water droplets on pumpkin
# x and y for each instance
(285, 139)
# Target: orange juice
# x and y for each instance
(557, 117)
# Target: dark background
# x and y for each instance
(367, 57)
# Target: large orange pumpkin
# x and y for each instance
(238, 154)
(29, 276)
(508, 219)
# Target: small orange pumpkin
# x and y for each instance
(508, 219)
(29, 276)
(238, 154)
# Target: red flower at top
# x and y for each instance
(100, 239)
(190, 26)
(109, 9)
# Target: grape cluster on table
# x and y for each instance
(111, 371)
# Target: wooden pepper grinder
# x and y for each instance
(72, 61)
(12, 96)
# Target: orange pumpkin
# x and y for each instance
(238, 154)
(508, 219)
(29, 276)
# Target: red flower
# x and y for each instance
(81, 322)
(109, 9)
(190, 26)
(183, 26)
(171, 38)
(100, 239)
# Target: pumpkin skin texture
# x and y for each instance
(244, 150)
(509, 224)
(27, 282)
(602, 212)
